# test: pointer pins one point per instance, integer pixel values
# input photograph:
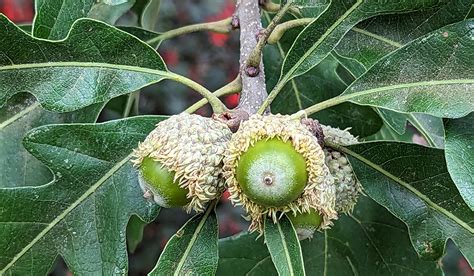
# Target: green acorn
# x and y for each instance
(180, 161)
(348, 187)
(306, 224)
(273, 164)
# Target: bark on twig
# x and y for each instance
(254, 89)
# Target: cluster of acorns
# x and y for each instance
(273, 165)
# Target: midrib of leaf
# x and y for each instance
(19, 115)
(88, 64)
(66, 211)
(408, 187)
(325, 252)
(319, 41)
(193, 240)
(352, 266)
(347, 97)
(55, 21)
(257, 264)
(423, 131)
(287, 253)
(378, 37)
(407, 85)
(467, 14)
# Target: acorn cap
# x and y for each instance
(192, 147)
(319, 192)
(348, 187)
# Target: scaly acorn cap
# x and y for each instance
(192, 147)
(319, 191)
(348, 187)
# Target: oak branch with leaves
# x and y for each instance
(351, 150)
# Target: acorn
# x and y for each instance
(180, 161)
(274, 165)
(306, 224)
(348, 187)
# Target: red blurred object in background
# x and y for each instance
(220, 39)
(18, 11)
(170, 57)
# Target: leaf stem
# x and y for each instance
(273, 94)
(128, 106)
(325, 104)
(256, 55)
(280, 29)
(232, 87)
(216, 104)
(221, 26)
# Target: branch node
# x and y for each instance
(260, 34)
(232, 118)
(252, 71)
(235, 21)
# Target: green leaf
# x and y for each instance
(369, 242)
(321, 36)
(440, 61)
(135, 228)
(95, 63)
(83, 213)
(54, 18)
(309, 8)
(376, 37)
(320, 84)
(386, 133)
(193, 250)
(413, 182)
(149, 15)
(22, 113)
(430, 127)
(397, 121)
(365, 44)
(109, 12)
(244, 254)
(460, 155)
(284, 246)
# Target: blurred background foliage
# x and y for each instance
(207, 58)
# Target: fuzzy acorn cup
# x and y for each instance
(274, 165)
(180, 161)
(348, 187)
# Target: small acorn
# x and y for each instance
(348, 187)
(306, 224)
(180, 161)
(273, 164)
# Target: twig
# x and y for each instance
(280, 29)
(232, 87)
(217, 106)
(254, 89)
(255, 56)
(221, 26)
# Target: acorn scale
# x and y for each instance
(183, 156)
